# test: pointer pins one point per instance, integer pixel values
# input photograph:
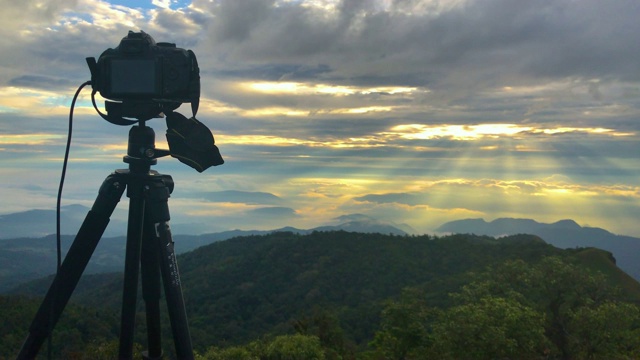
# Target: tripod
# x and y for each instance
(149, 253)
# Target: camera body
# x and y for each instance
(141, 70)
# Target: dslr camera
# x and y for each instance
(143, 78)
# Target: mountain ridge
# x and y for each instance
(37, 223)
(27, 258)
(563, 234)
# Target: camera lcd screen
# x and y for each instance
(133, 77)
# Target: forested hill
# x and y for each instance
(241, 288)
(244, 288)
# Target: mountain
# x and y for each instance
(42, 222)
(563, 234)
(366, 224)
(25, 258)
(247, 287)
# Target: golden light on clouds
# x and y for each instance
(29, 139)
(36, 102)
(273, 87)
(264, 140)
(300, 88)
(294, 112)
(552, 188)
(420, 201)
(564, 130)
(366, 102)
(282, 141)
(423, 132)
(480, 131)
(457, 132)
(273, 111)
(364, 110)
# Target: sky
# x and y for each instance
(412, 112)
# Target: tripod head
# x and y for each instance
(190, 141)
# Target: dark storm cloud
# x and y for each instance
(493, 41)
(275, 72)
(475, 45)
(40, 82)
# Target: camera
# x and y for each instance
(145, 77)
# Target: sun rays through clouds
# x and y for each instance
(416, 112)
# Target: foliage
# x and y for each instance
(404, 328)
(78, 326)
(106, 350)
(332, 294)
(240, 289)
(325, 325)
(492, 328)
(295, 347)
(610, 330)
(555, 286)
(230, 353)
(284, 347)
(552, 308)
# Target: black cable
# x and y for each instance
(59, 199)
(64, 172)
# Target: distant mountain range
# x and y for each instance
(26, 253)
(40, 222)
(28, 257)
(563, 234)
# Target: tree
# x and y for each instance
(295, 347)
(231, 353)
(554, 286)
(105, 350)
(284, 347)
(404, 328)
(325, 325)
(491, 328)
(551, 308)
(608, 331)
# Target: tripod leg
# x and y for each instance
(173, 292)
(73, 265)
(150, 271)
(136, 193)
(159, 216)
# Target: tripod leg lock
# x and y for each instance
(157, 193)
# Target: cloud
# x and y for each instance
(271, 213)
(244, 197)
(40, 82)
(162, 3)
(400, 198)
(496, 41)
(419, 111)
(548, 199)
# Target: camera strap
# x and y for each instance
(194, 84)
(110, 116)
